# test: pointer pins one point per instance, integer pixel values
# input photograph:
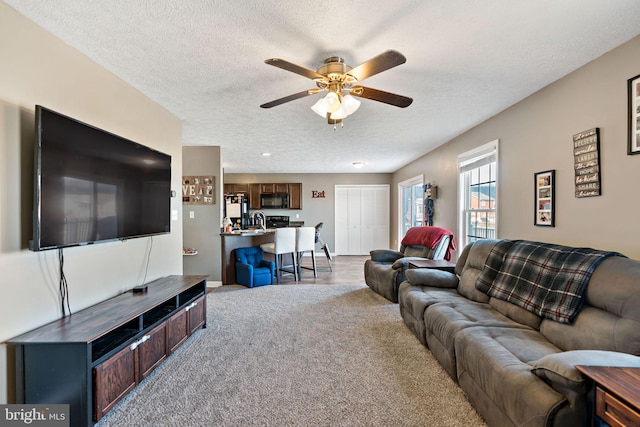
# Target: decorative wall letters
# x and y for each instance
(198, 190)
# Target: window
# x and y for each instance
(478, 170)
(411, 204)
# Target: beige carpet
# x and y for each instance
(298, 355)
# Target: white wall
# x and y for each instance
(37, 68)
(536, 135)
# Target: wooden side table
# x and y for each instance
(436, 264)
(617, 394)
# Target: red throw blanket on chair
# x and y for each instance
(429, 236)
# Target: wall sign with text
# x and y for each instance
(198, 190)
(586, 157)
(317, 194)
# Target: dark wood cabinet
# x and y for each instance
(93, 358)
(113, 380)
(295, 196)
(151, 351)
(255, 190)
(267, 188)
(177, 330)
(617, 396)
(254, 196)
(235, 188)
(196, 314)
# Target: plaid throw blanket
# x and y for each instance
(548, 280)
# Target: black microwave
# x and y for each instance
(274, 201)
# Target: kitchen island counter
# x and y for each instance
(239, 239)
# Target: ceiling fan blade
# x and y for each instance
(378, 64)
(381, 96)
(298, 69)
(289, 98)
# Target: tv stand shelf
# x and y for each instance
(93, 358)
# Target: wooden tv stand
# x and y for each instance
(93, 358)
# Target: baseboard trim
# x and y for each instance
(214, 283)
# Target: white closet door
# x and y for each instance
(361, 218)
(341, 220)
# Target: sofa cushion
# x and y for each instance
(615, 287)
(432, 278)
(417, 251)
(475, 259)
(595, 329)
(494, 371)
(414, 300)
(559, 371)
(443, 321)
(515, 313)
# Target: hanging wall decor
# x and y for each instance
(198, 190)
(430, 194)
(545, 184)
(586, 157)
(633, 97)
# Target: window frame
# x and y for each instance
(469, 161)
(410, 184)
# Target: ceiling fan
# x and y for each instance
(341, 82)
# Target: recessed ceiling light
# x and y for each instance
(265, 154)
(357, 165)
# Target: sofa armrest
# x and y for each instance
(403, 263)
(385, 255)
(559, 369)
(268, 264)
(432, 277)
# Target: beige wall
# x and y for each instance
(37, 68)
(202, 232)
(536, 135)
(314, 210)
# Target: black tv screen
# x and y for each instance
(93, 186)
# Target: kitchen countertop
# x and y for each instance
(248, 232)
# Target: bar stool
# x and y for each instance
(284, 242)
(306, 242)
(323, 245)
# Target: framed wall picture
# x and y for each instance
(633, 85)
(544, 183)
(586, 160)
(198, 190)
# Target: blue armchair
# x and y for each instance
(251, 269)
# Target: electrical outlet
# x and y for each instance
(192, 214)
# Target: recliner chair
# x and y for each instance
(386, 269)
(252, 269)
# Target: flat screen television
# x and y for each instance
(93, 186)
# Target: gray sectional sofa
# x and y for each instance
(515, 364)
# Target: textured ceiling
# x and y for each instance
(203, 60)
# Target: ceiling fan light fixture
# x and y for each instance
(320, 108)
(350, 104)
(332, 101)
